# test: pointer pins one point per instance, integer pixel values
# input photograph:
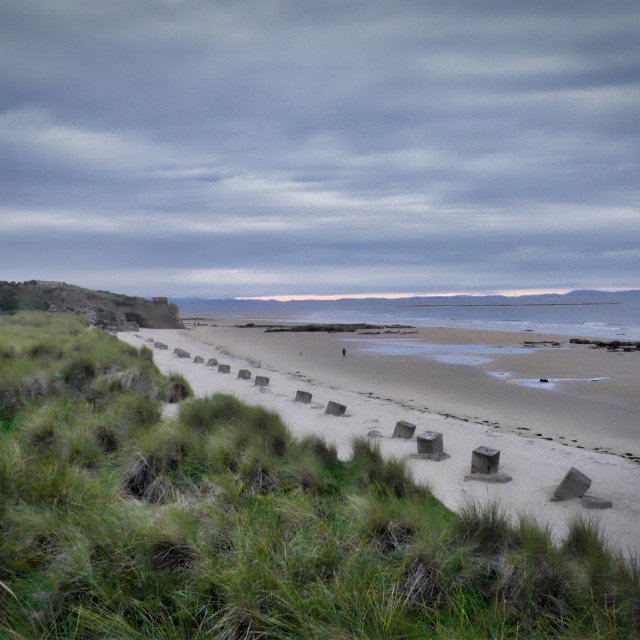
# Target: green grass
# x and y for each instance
(219, 524)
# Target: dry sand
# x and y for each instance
(541, 431)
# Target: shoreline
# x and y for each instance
(378, 391)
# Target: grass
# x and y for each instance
(219, 524)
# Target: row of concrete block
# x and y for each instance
(333, 408)
(485, 461)
(243, 374)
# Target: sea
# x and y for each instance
(593, 314)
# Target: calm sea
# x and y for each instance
(599, 315)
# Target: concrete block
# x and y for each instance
(160, 345)
(149, 340)
(181, 353)
(213, 362)
(404, 430)
(592, 502)
(335, 409)
(261, 381)
(303, 396)
(244, 374)
(574, 485)
(485, 460)
(430, 442)
(198, 359)
(224, 368)
(374, 433)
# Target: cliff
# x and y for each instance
(111, 311)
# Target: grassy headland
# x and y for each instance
(115, 522)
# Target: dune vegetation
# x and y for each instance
(117, 522)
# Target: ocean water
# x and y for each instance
(599, 315)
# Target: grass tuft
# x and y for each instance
(485, 527)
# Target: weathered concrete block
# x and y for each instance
(181, 353)
(430, 442)
(485, 460)
(592, 502)
(574, 485)
(198, 359)
(261, 381)
(224, 368)
(213, 362)
(335, 409)
(303, 396)
(160, 345)
(404, 430)
(374, 433)
(244, 374)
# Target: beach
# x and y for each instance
(477, 388)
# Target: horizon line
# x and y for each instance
(508, 293)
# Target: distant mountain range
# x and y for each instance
(192, 306)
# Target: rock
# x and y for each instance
(485, 460)
(574, 485)
(404, 430)
(592, 502)
(544, 380)
(213, 362)
(198, 359)
(430, 442)
(374, 433)
(244, 374)
(160, 345)
(149, 340)
(335, 409)
(181, 353)
(224, 368)
(261, 381)
(303, 396)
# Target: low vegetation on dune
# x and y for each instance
(117, 523)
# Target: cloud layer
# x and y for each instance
(259, 148)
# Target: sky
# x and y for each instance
(228, 148)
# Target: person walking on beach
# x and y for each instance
(344, 352)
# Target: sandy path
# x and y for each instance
(378, 391)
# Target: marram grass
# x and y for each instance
(117, 524)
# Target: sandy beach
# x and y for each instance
(477, 388)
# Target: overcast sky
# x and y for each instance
(265, 147)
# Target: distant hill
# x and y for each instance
(111, 311)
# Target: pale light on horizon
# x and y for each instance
(511, 293)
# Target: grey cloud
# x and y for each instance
(412, 135)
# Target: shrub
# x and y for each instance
(78, 373)
(176, 388)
